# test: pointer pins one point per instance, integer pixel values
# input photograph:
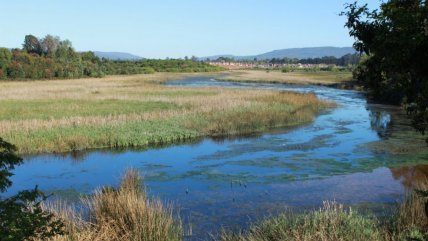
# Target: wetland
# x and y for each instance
(356, 153)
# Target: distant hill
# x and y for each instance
(299, 53)
(117, 55)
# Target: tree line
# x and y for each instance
(50, 57)
(345, 60)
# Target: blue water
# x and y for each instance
(233, 182)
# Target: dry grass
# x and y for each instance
(298, 77)
(119, 214)
(331, 223)
(410, 222)
(120, 111)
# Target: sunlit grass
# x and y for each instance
(125, 213)
(296, 77)
(48, 109)
(330, 223)
(129, 111)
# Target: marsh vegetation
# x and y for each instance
(253, 178)
(129, 111)
(296, 77)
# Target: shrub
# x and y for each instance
(148, 70)
(287, 69)
(15, 71)
(21, 216)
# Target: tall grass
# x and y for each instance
(333, 222)
(125, 213)
(296, 77)
(67, 115)
(410, 221)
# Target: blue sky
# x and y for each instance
(178, 28)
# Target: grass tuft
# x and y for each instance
(332, 222)
(125, 213)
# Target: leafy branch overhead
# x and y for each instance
(21, 216)
(8, 161)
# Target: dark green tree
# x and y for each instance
(21, 216)
(32, 44)
(395, 39)
(5, 57)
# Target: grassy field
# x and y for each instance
(128, 111)
(329, 78)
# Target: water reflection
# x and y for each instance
(411, 176)
(380, 121)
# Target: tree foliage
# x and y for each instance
(50, 57)
(21, 216)
(395, 38)
(345, 60)
(32, 44)
(8, 161)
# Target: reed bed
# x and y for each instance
(128, 111)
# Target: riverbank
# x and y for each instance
(129, 111)
(341, 80)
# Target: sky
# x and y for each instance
(178, 28)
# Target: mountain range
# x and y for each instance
(298, 53)
(117, 55)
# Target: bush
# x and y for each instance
(148, 70)
(15, 71)
(287, 69)
(21, 216)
